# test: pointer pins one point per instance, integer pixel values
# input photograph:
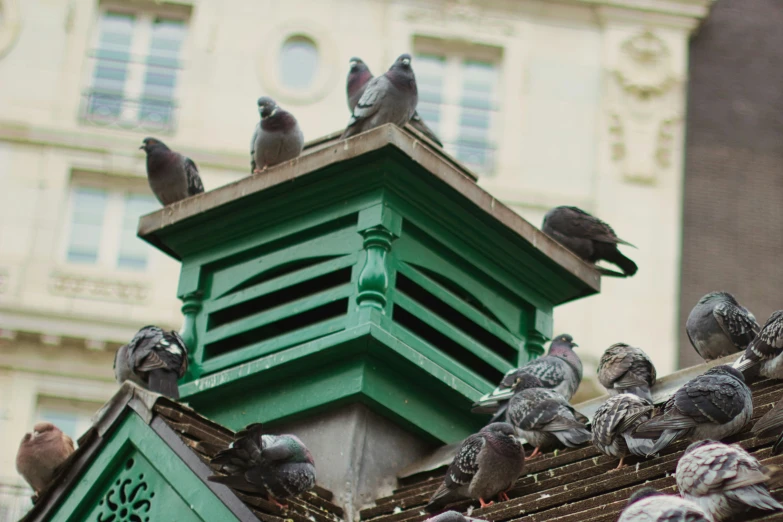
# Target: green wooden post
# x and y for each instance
(379, 226)
(191, 306)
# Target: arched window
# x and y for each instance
(299, 62)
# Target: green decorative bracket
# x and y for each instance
(379, 226)
(191, 306)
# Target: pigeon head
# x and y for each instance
(726, 369)
(266, 107)
(151, 144)
(357, 65)
(563, 340)
(298, 449)
(44, 427)
(524, 381)
(502, 429)
(716, 297)
(402, 62)
(643, 493)
(698, 444)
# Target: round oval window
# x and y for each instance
(298, 63)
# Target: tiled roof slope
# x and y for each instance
(577, 485)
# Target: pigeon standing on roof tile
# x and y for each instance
(172, 176)
(718, 326)
(613, 425)
(276, 138)
(588, 237)
(277, 466)
(725, 480)
(560, 370)
(41, 454)
(766, 349)
(452, 516)
(544, 418)
(711, 406)
(358, 77)
(626, 369)
(486, 465)
(648, 505)
(154, 359)
(389, 98)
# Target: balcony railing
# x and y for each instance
(14, 502)
(106, 109)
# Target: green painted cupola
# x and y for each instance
(370, 282)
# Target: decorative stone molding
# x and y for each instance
(643, 116)
(96, 288)
(10, 24)
(463, 16)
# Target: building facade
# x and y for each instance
(575, 102)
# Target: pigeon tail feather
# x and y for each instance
(666, 438)
(440, 499)
(639, 447)
(777, 449)
(163, 382)
(756, 496)
(641, 392)
(743, 363)
(573, 437)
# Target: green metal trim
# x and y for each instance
(134, 435)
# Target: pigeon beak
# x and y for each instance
(574, 344)
(406, 62)
(353, 64)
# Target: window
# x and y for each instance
(458, 100)
(103, 228)
(136, 64)
(72, 416)
(298, 63)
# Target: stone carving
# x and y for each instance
(464, 16)
(93, 288)
(10, 24)
(643, 118)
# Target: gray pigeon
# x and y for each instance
(710, 406)
(545, 419)
(154, 359)
(451, 516)
(718, 326)
(486, 465)
(648, 505)
(277, 466)
(766, 349)
(588, 237)
(626, 369)
(559, 370)
(771, 424)
(41, 454)
(725, 480)
(613, 425)
(172, 176)
(276, 138)
(358, 77)
(389, 98)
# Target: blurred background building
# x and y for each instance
(551, 102)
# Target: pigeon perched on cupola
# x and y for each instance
(359, 76)
(613, 425)
(486, 465)
(710, 406)
(277, 466)
(154, 359)
(560, 370)
(41, 453)
(725, 480)
(389, 98)
(626, 369)
(718, 326)
(649, 505)
(276, 138)
(588, 237)
(544, 418)
(172, 176)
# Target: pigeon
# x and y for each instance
(588, 237)
(172, 176)
(277, 466)
(626, 369)
(276, 138)
(390, 98)
(613, 425)
(766, 349)
(710, 406)
(452, 516)
(486, 464)
(154, 359)
(718, 326)
(545, 419)
(560, 370)
(41, 454)
(648, 505)
(724, 480)
(771, 424)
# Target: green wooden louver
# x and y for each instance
(372, 270)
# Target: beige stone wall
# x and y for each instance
(590, 102)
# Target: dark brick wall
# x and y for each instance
(733, 202)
